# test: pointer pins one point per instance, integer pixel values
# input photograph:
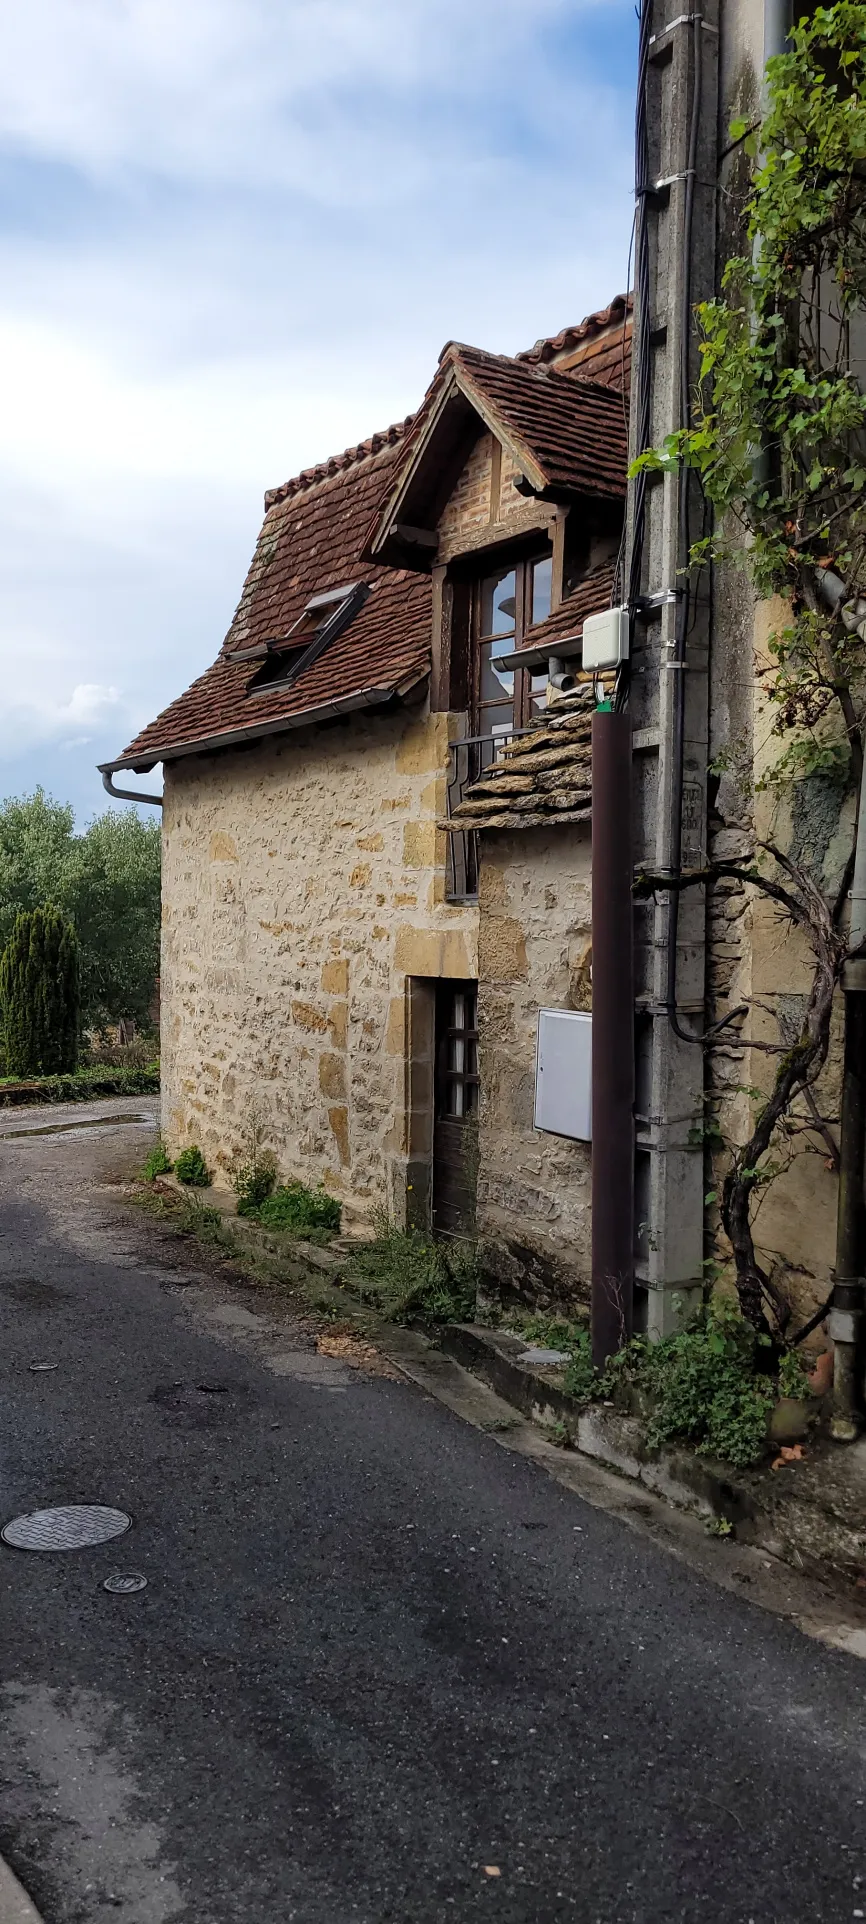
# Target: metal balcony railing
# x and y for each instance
(470, 757)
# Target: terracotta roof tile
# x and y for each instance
(568, 433)
(574, 429)
(313, 538)
(310, 541)
(591, 595)
(338, 463)
(584, 334)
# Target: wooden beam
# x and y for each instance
(414, 537)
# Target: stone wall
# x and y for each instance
(303, 884)
(304, 927)
(753, 957)
(756, 958)
(534, 1201)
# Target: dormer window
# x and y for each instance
(507, 605)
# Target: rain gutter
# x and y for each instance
(257, 731)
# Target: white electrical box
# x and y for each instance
(605, 638)
(563, 1074)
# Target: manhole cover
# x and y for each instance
(72, 1527)
(122, 1585)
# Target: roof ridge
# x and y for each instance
(569, 377)
(338, 463)
(569, 337)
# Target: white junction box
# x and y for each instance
(605, 639)
(563, 1074)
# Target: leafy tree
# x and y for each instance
(111, 888)
(36, 839)
(106, 880)
(40, 994)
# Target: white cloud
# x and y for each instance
(243, 89)
(41, 718)
(240, 231)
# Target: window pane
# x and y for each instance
(496, 681)
(538, 693)
(542, 584)
(457, 1052)
(496, 720)
(498, 603)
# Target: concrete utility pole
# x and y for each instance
(677, 169)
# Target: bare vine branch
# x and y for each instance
(787, 386)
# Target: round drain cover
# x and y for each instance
(125, 1586)
(73, 1527)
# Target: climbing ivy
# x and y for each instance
(778, 440)
(776, 349)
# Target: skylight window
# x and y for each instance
(323, 618)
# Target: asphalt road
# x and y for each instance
(378, 1657)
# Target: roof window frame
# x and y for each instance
(344, 603)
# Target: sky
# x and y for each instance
(234, 236)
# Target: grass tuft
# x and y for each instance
(405, 1275)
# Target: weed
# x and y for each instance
(719, 1526)
(255, 1176)
(156, 1163)
(792, 1375)
(190, 1167)
(497, 1425)
(310, 1213)
(138, 1053)
(406, 1275)
(196, 1218)
(703, 1385)
(558, 1434)
(550, 1332)
(581, 1379)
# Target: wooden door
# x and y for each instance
(455, 1122)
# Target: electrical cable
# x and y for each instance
(641, 348)
(616, 594)
(642, 419)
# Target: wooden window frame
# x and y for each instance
(464, 1077)
(522, 565)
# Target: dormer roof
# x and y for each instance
(566, 435)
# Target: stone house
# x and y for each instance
(333, 955)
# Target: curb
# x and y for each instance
(819, 1530)
(805, 1522)
(15, 1905)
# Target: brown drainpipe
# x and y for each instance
(613, 1073)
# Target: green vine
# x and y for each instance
(775, 357)
(778, 440)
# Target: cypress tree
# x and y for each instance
(40, 994)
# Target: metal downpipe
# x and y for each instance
(613, 1066)
(126, 794)
(849, 1295)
